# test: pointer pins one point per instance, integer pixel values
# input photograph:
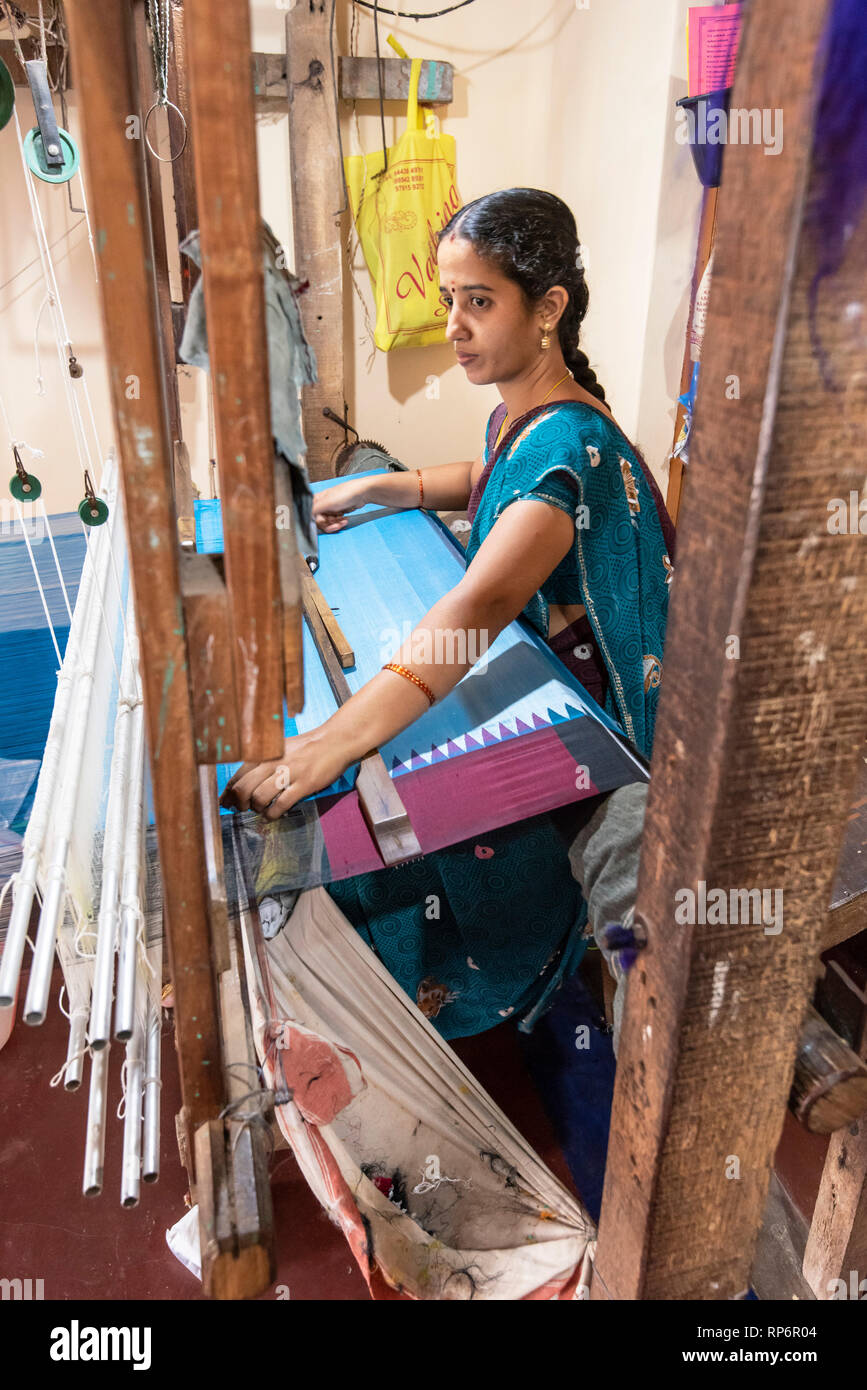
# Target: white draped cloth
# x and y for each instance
(437, 1192)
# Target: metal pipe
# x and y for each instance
(130, 1183)
(94, 1151)
(132, 892)
(75, 1050)
(116, 818)
(152, 1084)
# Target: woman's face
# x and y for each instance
(494, 335)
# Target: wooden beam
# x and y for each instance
(183, 168)
(764, 688)
(218, 52)
(707, 225)
(104, 47)
(206, 614)
(182, 478)
(358, 80)
(316, 208)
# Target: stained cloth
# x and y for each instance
(291, 364)
(488, 929)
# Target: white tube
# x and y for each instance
(76, 1049)
(93, 576)
(132, 891)
(94, 1150)
(121, 777)
(130, 1182)
(152, 1083)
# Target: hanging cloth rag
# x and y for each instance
(291, 364)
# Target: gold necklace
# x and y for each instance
(542, 402)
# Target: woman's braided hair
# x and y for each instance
(531, 237)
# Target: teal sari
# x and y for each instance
(488, 929)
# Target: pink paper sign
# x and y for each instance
(713, 32)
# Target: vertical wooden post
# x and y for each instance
(764, 688)
(183, 483)
(183, 171)
(706, 226)
(103, 51)
(316, 203)
(221, 99)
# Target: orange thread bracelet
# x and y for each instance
(410, 676)
(420, 488)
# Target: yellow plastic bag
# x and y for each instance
(397, 216)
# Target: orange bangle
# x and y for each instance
(411, 676)
(420, 491)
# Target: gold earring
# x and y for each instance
(546, 341)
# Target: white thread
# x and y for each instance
(60, 1075)
(38, 582)
(56, 560)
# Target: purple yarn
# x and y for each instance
(839, 158)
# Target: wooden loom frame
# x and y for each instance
(668, 1155)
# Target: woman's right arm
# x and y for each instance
(446, 488)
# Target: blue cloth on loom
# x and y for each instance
(490, 928)
(28, 662)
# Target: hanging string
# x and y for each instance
(38, 582)
(109, 634)
(56, 560)
(158, 15)
(62, 335)
(403, 14)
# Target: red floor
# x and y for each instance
(92, 1248)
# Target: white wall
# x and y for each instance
(576, 99)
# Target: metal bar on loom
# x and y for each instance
(132, 889)
(152, 1083)
(130, 1182)
(94, 1150)
(94, 573)
(121, 784)
(76, 1049)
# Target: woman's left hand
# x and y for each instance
(310, 762)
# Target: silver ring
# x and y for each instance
(163, 158)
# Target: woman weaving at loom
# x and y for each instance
(570, 531)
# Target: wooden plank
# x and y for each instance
(316, 209)
(183, 168)
(182, 477)
(104, 49)
(342, 650)
(707, 225)
(206, 613)
(837, 1243)
(218, 55)
(754, 757)
(358, 80)
(290, 588)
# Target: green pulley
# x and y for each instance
(37, 162)
(92, 510)
(7, 95)
(24, 486)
